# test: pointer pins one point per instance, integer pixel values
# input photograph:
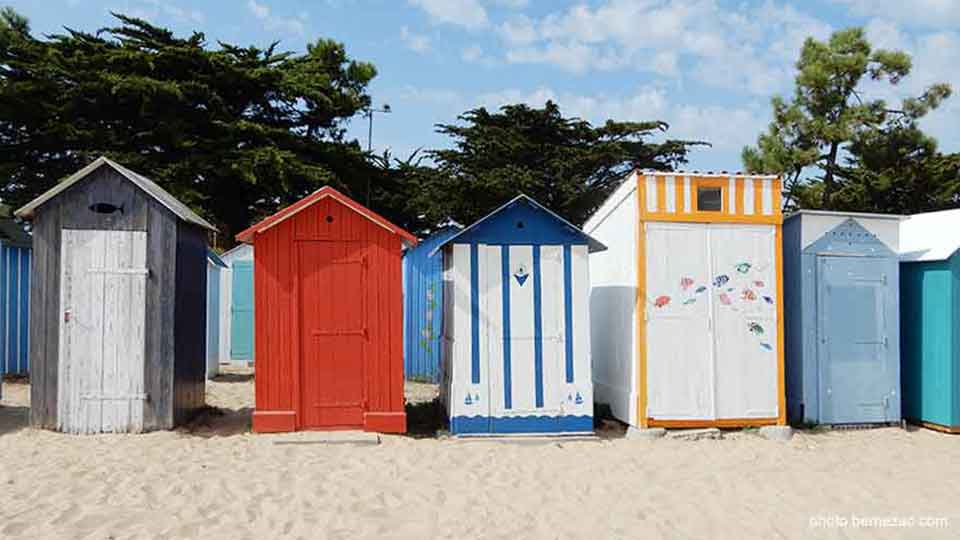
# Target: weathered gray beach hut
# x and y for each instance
(118, 318)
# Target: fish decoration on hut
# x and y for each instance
(686, 283)
(766, 347)
(755, 328)
(689, 301)
(700, 289)
(721, 280)
(748, 295)
(743, 267)
(661, 301)
(768, 300)
(758, 284)
(724, 299)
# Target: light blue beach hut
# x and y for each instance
(423, 306)
(236, 307)
(215, 268)
(842, 315)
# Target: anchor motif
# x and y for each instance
(521, 275)
(468, 400)
(579, 400)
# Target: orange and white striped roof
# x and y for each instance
(672, 196)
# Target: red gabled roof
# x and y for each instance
(247, 235)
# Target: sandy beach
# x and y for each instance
(215, 479)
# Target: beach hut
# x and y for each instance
(686, 304)
(15, 259)
(236, 312)
(930, 319)
(329, 317)
(516, 324)
(423, 306)
(215, 269)
(842, 314)
(118, 304)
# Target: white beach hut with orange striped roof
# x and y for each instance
(686, 304)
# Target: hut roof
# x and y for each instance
(929, 237)
(522, 199)
(322, 193)
(149, 186)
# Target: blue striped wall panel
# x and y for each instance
(14, 308)
(423, 304)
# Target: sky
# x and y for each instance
(706, 67)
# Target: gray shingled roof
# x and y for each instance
(149, 186)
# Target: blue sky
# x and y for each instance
(707, 67)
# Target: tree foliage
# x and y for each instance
(829, 121)
(233, 131)
(567, 164)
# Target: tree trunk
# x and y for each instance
(829, 185)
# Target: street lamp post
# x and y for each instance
(369, 114)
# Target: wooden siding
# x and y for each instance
(277, 312)
(190, 322)
(141, 212)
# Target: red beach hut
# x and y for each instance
(329, 317)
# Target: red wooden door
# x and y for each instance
(333, 334)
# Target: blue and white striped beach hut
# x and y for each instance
(15, 259)
(215, 269)
(423, 306)
(516, 324)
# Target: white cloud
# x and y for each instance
(930, 13)
(750, 48)
(414, 41)
(263, 13)
(155, 9)
(472, 53)
(466, 13)
(512, 4)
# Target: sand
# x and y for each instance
(218, 480)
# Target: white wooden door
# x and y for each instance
(745, 316)
(102, 347)
(680, 370)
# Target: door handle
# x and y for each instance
(66, 316)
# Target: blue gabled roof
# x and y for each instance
(523, 221)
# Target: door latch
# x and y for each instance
(66, 316)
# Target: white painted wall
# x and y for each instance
(613, 297)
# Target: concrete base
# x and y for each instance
(644, 434)
(330, 437)
(696, 434)
(776, 433)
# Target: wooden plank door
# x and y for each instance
(745, 320)
(102, 331)
(677, 307)
(241, 311)
(333, 334)
(858, 368)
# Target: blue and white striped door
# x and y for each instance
(529, 340)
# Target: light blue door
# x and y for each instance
(241, 312)
(858, 371)
(213, 319)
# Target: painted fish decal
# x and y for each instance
(724, 299)
(105, 208)
(755, 328)
(686, 283)
(721, 280)
(766, 347)
(661, 301)
(689, 301)
(758, 284)
(768, 300)
(743, 267)
(748, 295)
(700, 289)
